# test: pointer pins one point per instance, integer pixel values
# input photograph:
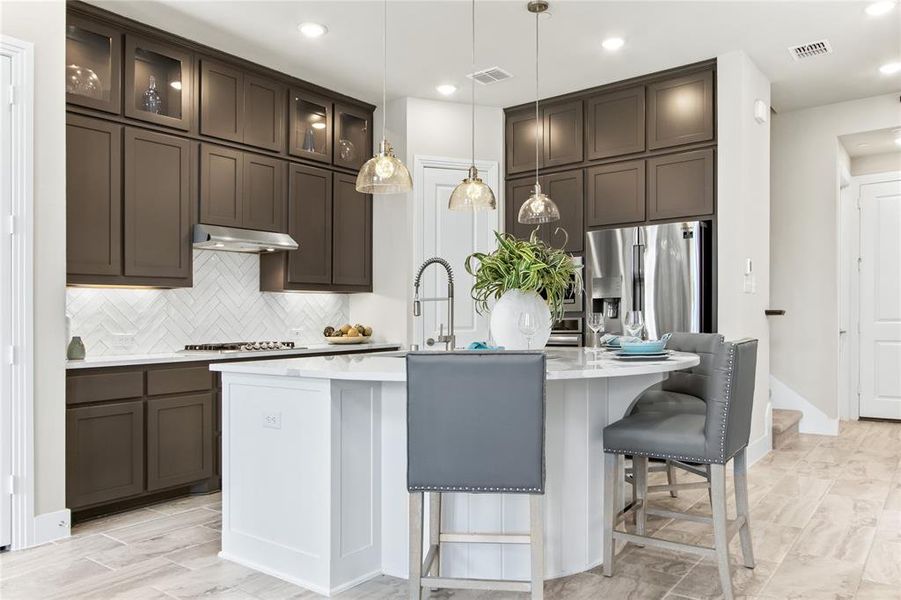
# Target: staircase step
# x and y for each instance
(785, 427)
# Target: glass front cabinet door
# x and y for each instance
(158, 83)
(93, 65)
(311, 126)
(353, 137)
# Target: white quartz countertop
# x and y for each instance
(124, 360)
(563, 363)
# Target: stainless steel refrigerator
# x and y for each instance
(664, 270)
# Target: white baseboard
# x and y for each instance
(813, 421)
(762, 446)
(52, 526)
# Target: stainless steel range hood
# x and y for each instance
(232, 239)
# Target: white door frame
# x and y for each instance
(851, 405)
(20, 226)
(490, 173)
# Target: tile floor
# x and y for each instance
(826, 521)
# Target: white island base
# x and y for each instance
(314, 471)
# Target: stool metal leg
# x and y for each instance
(671, 478)
(536, 544)
(435, 531)
(740, 468)
(640, 488)
(415, 576)
(611, 508)
(720, 527)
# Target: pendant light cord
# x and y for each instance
(472, 83)
(536, 98)
(384, 69)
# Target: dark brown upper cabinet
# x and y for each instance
(93, 196)
(681, 185)
(158, 83)
(93, 65)
(562, 133)
(221, 101)
(264, 113)
(240, 189)
(518, 191)
(179, 440)
(615, 194)
(221, 186)
(264, 193)
(567, 191)
(615, 123)
(310, 224)
(311, 126)
(158, 202)
(353, 136)
(104, 453)
(681, 111)
(520, 141)
(351, 234)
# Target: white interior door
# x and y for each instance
(6, 286)
(880, 299)
(453, 236)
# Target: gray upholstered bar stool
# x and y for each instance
(711, 439)
(678, 393)
(475, 424)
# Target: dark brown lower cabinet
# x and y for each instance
(104, 452)
(179, 440)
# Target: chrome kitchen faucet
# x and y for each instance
(449, 339)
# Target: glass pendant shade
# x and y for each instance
(472, 194)
(539, 208)
(384, 173)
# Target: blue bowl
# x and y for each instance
(645, 347)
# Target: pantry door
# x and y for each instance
(880, 298)
(451, 235)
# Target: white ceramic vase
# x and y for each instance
(505, 320)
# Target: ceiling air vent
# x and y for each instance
(810, 50)
(490, 75)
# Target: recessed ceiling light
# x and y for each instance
(446, 89)
(614, 43)
(890, 68)
(312, 30)
(877, 9)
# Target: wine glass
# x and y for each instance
(595, 323)
(528, 326)
(634, 323)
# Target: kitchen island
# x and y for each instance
(314, 469)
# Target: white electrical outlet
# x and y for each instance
(272, 420)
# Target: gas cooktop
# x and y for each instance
(224, 347)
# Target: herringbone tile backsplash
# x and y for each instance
(225, 305)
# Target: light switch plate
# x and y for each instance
(272, 420)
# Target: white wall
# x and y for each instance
(876, 163)
(43, 24)
(417, 127)
(743, 219)
(805, 242)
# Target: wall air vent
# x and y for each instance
(491, 75)
(810, 50)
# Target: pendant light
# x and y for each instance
(538, 208)
(384, 173)
(472, 193)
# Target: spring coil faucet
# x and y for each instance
(449, 339)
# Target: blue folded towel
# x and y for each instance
(482, 346)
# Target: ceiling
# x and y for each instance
(868, 143)
(429, 43)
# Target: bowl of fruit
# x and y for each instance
(347, 334)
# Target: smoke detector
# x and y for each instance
(810, 50)
(490, 75)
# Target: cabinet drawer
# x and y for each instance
(179, 380)
(104, 386)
